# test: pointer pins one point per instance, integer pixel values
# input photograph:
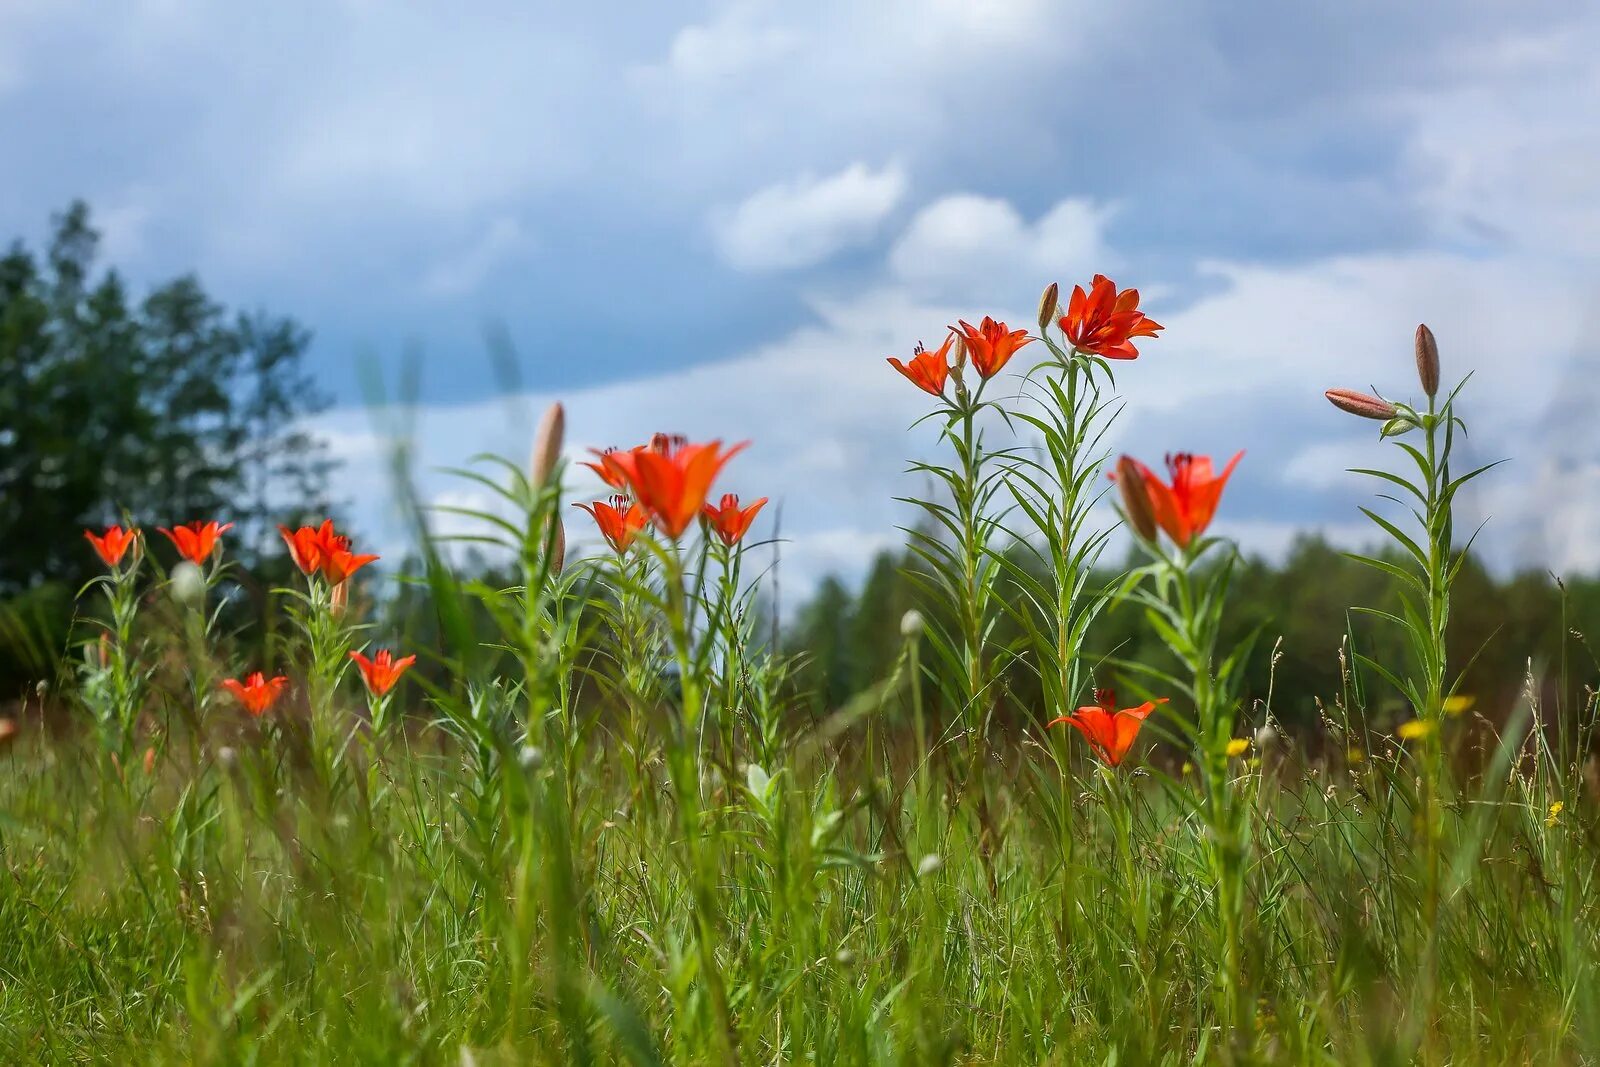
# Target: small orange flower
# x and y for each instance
(618, 521)
(113, 544)
(1184, 508)
(1104, 321)
(729, 522)
(381, 671)
(1110, 732)
(672, 477)
(196, 541)
(928, 371)
(257, 692)
(990, 345)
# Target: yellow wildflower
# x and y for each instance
(1416, 728)
(1355, 755)
(1238, 746)
(1555, 813)
(1457, 705)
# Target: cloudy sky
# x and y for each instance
(719, 218)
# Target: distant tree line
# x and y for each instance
(1501, 629)
(159, 408)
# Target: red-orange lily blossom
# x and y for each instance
(196, 541)
(928, 371)
(323, 549)
(610, 474)
(672, 477)
(618, 521)
(1104, 321)
(257, 692)
(305, 545)
(990, 345)
(113, 544)
(1110, 732)
(1185, 507)
(382, 670)
(729, 521)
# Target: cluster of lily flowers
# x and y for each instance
(1100, 321)
(321, 553)
(666, 483)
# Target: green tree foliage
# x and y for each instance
(1500, 629)
(165, 409)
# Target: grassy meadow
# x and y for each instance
(590, 826)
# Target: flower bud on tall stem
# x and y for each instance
(1365, 405)
(1427, 360)
(1135, 499)
(1047, 306)
(547, 445)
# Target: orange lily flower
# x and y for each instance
(323, 549)
(618, 521)
(257, 692)
(341, 563)
(672, 477)
(1185, 507)
(1110, 732)
(305, 545)
(196, 541)
(113, 544)
(1104, 321)
(990, 344)
(610, 474)
(728, 521)
(928, 371)
(381, 671)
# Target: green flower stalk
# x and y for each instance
(1424, 570)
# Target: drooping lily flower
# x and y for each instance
(196, 541)
(1184, 507)
(257, 692)
(728, 521)
(618, 521)
(1105, 321)
(990, 345)
(928, 371)
(382, 670)
(671, 478)
(1110, 732)
(113, 544)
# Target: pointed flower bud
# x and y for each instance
(1135, 498)
(1363, 404)
(547, 445)
(1047, 305)
(1427, 360)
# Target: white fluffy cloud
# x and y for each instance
(802, 222)
(982, 248)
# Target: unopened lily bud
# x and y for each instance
(1135, 499)
(340, 598)
(558, 550)
(911, 624)
(1427, 360)
(1047, 306)
(1363, 404)
(188, 583)
(547, 445)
